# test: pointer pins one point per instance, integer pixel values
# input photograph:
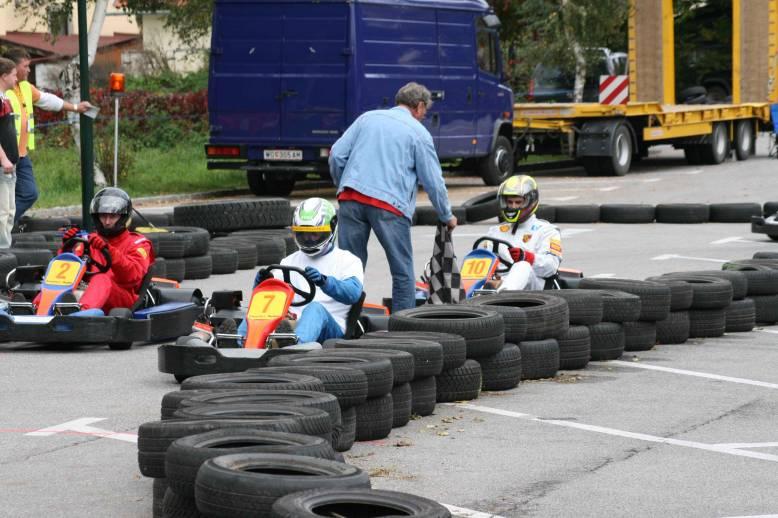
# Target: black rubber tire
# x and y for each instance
(497, 167)
(482, 207)
(482, 329)
(501, 371)
(159, 486)
(654, 298)
(258, 379)
(314, 421)
(619, 306)
(716, 149)
(307, 398)
(247, 251)
(734, 212)
(28, 257)
(426, 215)
(744, 139)
(402, 405)
(626, 213)
(584, 306)
(547, 316)
(765, 255)
(692, 154)
(175, 505)
(682, 213)
(157, 219)
(175, 269)
(246, 485)
(168, 245)
(196, 242)
(454, 346)
(539, 359)
(357, 503)
(344, 435)
(546, 213)
(427, 355)
(639, 335)
(738, 280)
(378, 371)
(708, 292)
(235, 215)
(374, 418)
(270, 250)
(674, 329)
(198, 267)
(155, 437)
(460, 384)
(7, 263)
(51, 246)
(402, 361)
(223, 260)
(30, 224)
(265, 233)
(423, 395)
(171, 401)
(27, 237)
(185, 455)
(741, 316)
(347, 384)
(707, 323)
(761, 280)
(770, 208)
(607, 341)
(514, 320)
(575, 348)
(766, 308)
(681, 292)
(577, 213)
(159, 267)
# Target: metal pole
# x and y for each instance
(87, 151)
(116, 142)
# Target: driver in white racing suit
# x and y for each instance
(537, 244)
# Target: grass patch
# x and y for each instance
(177, 170)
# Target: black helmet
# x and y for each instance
(111, 200)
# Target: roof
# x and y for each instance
(64, 46)
(469, 5)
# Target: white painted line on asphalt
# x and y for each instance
(749, 444)
(696, 374)
(735, 239)
(665, 257)
(602, 276)
(567, 232)
(81, 426)
(623, 433)
(563, 198)
(651, 180)
(693, 171)
(608, 189)
(461, 512)
(771, 331)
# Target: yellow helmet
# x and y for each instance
(522, 186)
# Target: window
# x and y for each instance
(486, 45)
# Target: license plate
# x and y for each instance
(283, 154)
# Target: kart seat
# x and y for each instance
(145, 298)
(352, 319)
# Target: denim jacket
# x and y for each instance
(384, 155)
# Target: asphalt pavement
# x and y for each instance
(681, 430)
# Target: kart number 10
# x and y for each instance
(475, 268)
(266, 305)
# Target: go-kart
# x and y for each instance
(208, 349)
(765, 225)
(484, 263)
(43, 300)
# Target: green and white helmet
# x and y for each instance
(314, 226)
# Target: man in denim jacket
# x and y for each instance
(376, 165)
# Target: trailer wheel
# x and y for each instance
(498, 165)
(744, 139)
(692, 154)
(620, 159)
(717, 150)
(270, 185)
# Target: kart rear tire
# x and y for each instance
(120, 313)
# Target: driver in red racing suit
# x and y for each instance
(131, 254)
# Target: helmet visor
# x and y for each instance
(311, 238)
(514, 203)
(109, 205)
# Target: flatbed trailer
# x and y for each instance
(607, 138)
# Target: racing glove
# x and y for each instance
(262, 275)
(70, 234)
(97, 243)
(519, 254)
(315, 276)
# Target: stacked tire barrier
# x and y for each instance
(260, 443)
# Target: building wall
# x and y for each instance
(179, 56)
(115, 21)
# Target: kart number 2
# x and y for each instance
(62, 273)
(476, 268)
(266, 305)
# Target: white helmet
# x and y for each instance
(314, 226)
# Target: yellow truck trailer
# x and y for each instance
(605, 139)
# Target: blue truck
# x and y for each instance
(287, 77)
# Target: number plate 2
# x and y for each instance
(62, 272)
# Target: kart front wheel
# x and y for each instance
(120, 313)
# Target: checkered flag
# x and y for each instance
(445, 281)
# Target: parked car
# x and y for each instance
(551, 84)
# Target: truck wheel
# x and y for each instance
(621, 153)
(717, 150)
(692, 154)
(498, 166)
(744, 139)
(270, 185)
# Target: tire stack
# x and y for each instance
(241, 225)
(762, 281)
(33, 247)
(483, 331)
(533, 321)
(374, 415)
(675, 328)
(639, 334)
(181, 252)
(710, 298)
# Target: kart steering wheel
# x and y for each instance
(496, 242)
(307, 295)
(68, 246)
